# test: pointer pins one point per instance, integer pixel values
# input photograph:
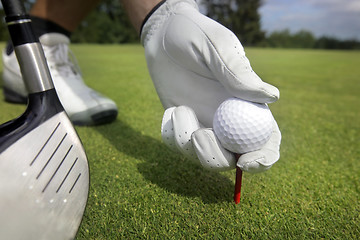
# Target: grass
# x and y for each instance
(141, 190)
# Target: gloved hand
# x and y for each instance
(196, 62)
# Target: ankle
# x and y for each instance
(41, 26)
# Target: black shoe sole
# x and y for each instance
(13, 97)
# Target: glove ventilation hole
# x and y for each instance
(238, 52)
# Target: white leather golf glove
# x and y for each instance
(196, 64)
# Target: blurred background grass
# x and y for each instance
(141, 190)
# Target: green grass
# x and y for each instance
(141, 190)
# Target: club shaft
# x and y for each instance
(28, 49)
(12, 7)
(34, 68)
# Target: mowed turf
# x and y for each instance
(141, 190)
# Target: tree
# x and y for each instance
(284, 39)
(108, 23)
(240, 16)
(303, 39)
(280, 39)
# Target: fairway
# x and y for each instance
(139, 189)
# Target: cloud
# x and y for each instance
(336, 5)
(337, 18)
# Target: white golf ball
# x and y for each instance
(242, 126)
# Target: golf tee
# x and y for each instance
(238, 180)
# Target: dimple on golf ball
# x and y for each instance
(242, 126)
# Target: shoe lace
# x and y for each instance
(59, 56)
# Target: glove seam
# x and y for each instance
(223, 62)
(179, 63)
(239, 82)
(247, 164)
(259, 161)
(208, 39)
(166, 10)
(215, 142)
(211, 161)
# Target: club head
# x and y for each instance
(44, 174)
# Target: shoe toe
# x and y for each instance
(97, 115)
(98, 110)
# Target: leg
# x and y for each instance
(55, 10)
(137, 10)
(53, 22)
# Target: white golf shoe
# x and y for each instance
(84, 105)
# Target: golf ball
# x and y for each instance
(242, 126)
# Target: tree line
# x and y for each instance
(108, 23)
(305, 39)
(242, 17)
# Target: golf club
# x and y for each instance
(44, 173)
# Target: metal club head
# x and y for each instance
(44, 183)
(44, 173)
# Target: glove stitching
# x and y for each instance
(149, 14)
(160, 16)
(223, 62)
(247, 164)
(223, 164)
(213, 157)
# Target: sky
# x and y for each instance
(333, 18)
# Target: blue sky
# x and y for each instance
(334, 18)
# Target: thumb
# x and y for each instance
(261, 160)
(229, 64)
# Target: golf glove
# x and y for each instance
(196, 64)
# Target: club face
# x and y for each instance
(44, 183)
